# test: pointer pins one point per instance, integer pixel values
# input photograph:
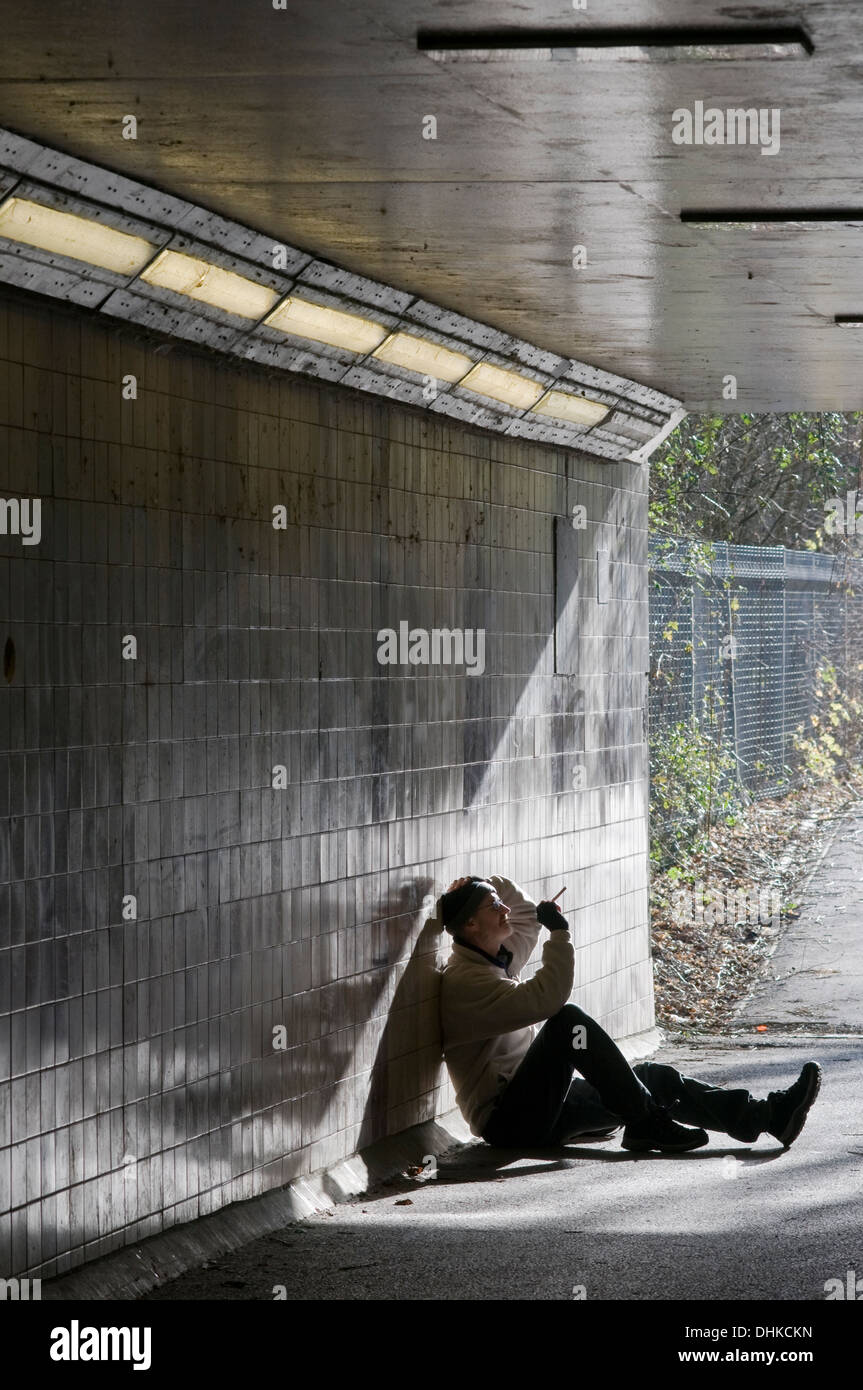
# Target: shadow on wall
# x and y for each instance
(409, 1056)
(394, 1009)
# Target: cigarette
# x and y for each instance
(560, 894)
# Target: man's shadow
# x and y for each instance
(483, 1163)
(407, 1069)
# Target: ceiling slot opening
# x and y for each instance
(755, 217)
(699, 43)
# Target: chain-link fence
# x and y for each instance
(753, 644)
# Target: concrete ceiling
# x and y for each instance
(307, 123)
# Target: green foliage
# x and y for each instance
(746, 480)
(755, 479)
(833, 741)
(692, 785)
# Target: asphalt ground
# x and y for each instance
(729, 1221)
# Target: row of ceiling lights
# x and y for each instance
(84, 239)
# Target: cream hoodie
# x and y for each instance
(487, 1014)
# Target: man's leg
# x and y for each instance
(583, 1113)
(734, 1112)
(529, 1110)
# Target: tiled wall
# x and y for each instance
(140, 1083)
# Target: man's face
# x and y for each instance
(489, 927)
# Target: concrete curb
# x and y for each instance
(147, 1264)
(641, 1045)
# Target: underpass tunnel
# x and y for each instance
(334, 347)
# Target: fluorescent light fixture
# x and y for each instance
(303, 319)
(197, 279)
(421, 355)
(698, 44)
(848, 321)
(577, 410)
(80, 238)
(509, 387)
(329, 325)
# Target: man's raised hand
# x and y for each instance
(551, 917)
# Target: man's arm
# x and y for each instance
(522, 919)
(505, 1005)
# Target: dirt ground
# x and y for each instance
(715, 923)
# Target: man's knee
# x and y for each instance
(570, 1022)
(569, 1016)
(659, 1078)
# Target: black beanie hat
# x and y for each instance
(459, 905)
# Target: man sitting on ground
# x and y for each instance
(515, 1085)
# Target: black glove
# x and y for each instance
(550, 917)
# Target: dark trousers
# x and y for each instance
(542, 1104)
